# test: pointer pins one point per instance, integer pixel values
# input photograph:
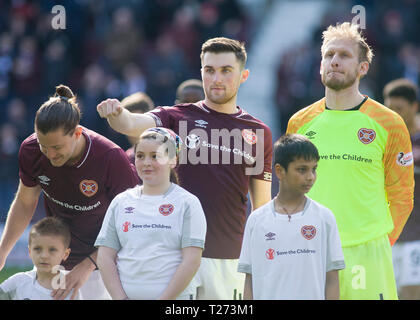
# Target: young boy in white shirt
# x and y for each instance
(291, 247)
(49, 241)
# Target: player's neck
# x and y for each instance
(289, 202)
(228, 107)
(79, 151)
(343, 99)
(155, 190)
(45, 279)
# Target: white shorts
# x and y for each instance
(406, 260)
(218, 279)
(94, 288)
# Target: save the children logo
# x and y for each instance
(366, 136)
(88, 187)
(166, 209)
(269, 254)
(192, 141)
(126, 226)
(308, 232)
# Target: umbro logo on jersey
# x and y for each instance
(270, 236)
(129, 210)
(44, 180)
(201, 123)
(310, 134)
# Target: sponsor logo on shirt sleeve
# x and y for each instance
(405, 159)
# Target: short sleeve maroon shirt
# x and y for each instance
(218, 151)
(79, 194)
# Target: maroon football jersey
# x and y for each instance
(221, 153)
(79, 194)
(411, 231)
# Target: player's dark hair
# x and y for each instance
(291, 147)
(138, 102)
(170, 150)
(194, 84)
(221, 45)
(403, 88)
(51, 226)
(59, 112)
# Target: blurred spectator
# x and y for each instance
(108, 49)
(124, 39)
(396, 48)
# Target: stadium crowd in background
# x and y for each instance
(108, 49)
(392, 32)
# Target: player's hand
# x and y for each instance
(75, 279)
(109, 107)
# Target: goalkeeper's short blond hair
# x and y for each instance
(348, 31)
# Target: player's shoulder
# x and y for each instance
(99, 146)
(246, 116)
(263, 211)
(182, 194)
(30, 143)
(386, 117)
(29, 150)
(320, 210)
(129, 193)
(19, 279)
(306, 114)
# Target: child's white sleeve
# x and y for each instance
(245, 258)
(8, 288)
(335, 257)
(194, 226)
(108, 236)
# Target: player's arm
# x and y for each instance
(191, 258)
(18, 218)
(248, 287)
(259, 192)
(107, 265)
(332, 287)
(122, 120)
(399, 177)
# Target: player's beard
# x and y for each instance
(221, 99)
(339, 84)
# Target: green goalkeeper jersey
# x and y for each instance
(365, 173)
